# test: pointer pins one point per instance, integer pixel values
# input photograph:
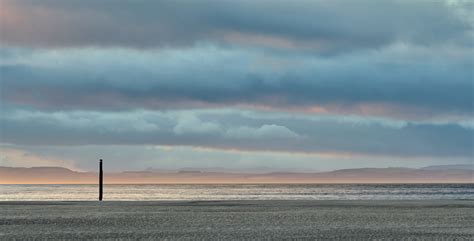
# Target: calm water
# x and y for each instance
(239, 192)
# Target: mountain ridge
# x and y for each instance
(61, 175)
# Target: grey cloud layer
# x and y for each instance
(319, 25)
(388, 79)
(400, 80)
(235, 130)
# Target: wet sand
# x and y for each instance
(230, 220)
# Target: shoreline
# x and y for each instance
(245, 183)
(315, 201)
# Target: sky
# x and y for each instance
(247, 85)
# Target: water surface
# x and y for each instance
(151, 192)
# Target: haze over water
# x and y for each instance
(154, 192)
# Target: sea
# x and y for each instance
(156, 192)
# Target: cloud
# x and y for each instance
(234, 129)
(399, 81)
(263, 132)
(321, 26)
(389, 79)
(190, 124)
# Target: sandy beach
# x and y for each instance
(224, 220)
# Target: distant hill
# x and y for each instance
(450, 167)
(43, 175)
(228, 170)
(59, 175)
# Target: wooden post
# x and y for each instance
(101, 180)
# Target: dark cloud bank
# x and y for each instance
(337, 25)
(208, 76)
